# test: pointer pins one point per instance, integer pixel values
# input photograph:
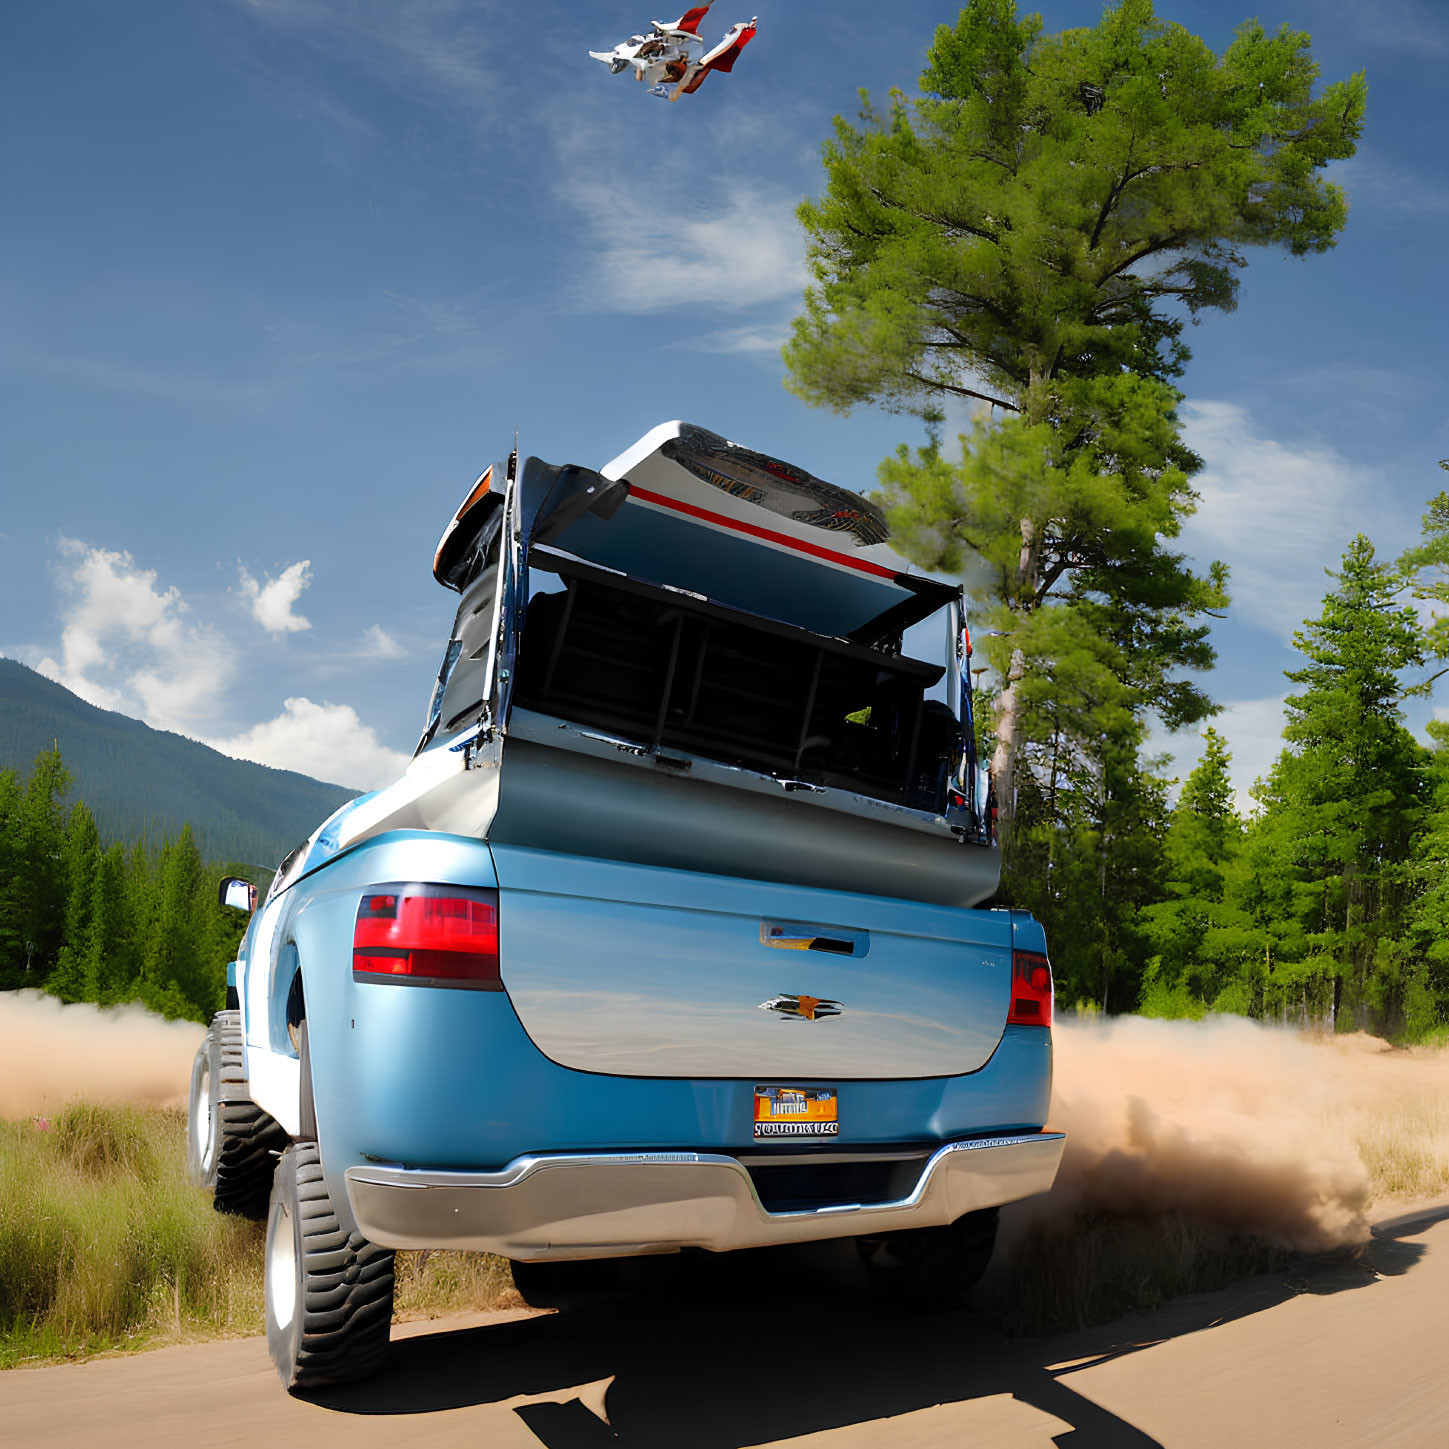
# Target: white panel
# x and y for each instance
(276, 1086)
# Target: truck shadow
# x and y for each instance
(724, 1375)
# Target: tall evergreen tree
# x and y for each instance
(1087, 866)
(169, 972)
(40, 868)
(1028, 233)
(12, 935)
(1342, 804)
(1425, 1001)
(111, 964)
(82, 852)
(1206, 948)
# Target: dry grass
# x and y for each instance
(103, 1243)
(431, 1283)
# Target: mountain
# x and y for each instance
(140, 781)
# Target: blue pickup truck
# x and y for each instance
(669, 937)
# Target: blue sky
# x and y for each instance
(279, 277)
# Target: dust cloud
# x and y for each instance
(51, 1053)
(1242, 1128)
(1237, 1126)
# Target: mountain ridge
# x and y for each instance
(143, 782)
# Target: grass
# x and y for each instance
(105, 1245)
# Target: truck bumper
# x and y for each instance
(599, 1205)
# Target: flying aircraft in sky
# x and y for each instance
(663, 59)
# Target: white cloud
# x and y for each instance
(1253, 729)
(732, 249)
(271, 602)
(1375, 184)
(1278, 515)
(377, 643)
(128, 645)
(422, 49)
(327, 741)
(761, 339)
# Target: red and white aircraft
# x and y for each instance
(663, 59)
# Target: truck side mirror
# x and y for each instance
(240, 895)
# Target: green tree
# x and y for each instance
(1083, 612)
(1086, 865)
(1044, 212)
(169, 970)
(1206, 946)
(111, 963)
(81, 855)
(12, 936)
(1344, 800)
(1030, 233)
(39, 867)
(1426, 968)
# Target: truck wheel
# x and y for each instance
(201, 1116)
(328, 1292)
(247, 1139)
(931, 1267)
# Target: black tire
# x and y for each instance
(328, 1292)
(931, 1267)
(248, 1140)
(201, 1107)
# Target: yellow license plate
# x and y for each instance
(796, 1112)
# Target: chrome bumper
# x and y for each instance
(597, 1205)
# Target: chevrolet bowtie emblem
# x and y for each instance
(802, 1008)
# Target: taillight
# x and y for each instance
(1031, 990)
(428, 936)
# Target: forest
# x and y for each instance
(1329, 903)
(107, 924)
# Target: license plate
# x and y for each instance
(796, 1112)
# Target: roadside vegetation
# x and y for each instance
(105, 1245)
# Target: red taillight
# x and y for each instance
(428, 935)
(1031, 990)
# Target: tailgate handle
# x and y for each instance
(829, 939)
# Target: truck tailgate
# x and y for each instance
(637, 970)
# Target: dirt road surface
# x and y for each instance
(1337, 1355)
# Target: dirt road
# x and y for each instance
(1338, 1356)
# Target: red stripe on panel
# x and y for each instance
(864, 566)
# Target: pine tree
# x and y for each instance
(81, 856)
(1086, 867)
(12, 936)
(170, 970)
(1344, 799)
(1206, 946)
(1027, 234)
(1426, 967)
(110, 961)
(39, 868)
